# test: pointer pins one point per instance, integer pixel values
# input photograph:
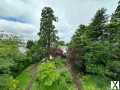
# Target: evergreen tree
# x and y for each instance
(78, 37)
(77, 44)
(97, 26)
(29, 44)
(47, 32)
(114, 26)
(116, 15)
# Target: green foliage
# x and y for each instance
(8, 83)
(116, 15)
(79, 43)
(60, 42)
(53, 78)
(102, 58)
(36, 53)
(24, 78)
(95, 82)
(113, 70)
(12, 60)
(29, 44)
(98, 25)
(47, 34)
(14, 85)
(98, 53)
(98, 45)
(97, 48)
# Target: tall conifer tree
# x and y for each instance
(97, 26)
(116, 15)
(47, 32)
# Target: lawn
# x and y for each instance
(24, 78)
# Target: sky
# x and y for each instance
(22, 17)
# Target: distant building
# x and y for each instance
(61, 51)
(64, 49)
(7, 35)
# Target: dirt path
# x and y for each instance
(33, 76)
(75, 77)
(71, 62)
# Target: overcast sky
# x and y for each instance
(23, 16)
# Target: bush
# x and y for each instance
(12, 61)
(8, 83)
(52, 78)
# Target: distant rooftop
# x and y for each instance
(7, 35)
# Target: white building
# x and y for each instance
(7, 35)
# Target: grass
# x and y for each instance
(34, 86)
(24, 78)
(95, 82)
(59, 70)
(89, 82)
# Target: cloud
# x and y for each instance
(23, 16)
(23, 29)
(14, 19)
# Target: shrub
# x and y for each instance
(52, 78)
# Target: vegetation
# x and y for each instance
(24, 78)
(12, 60)
(97, 46)
(47, 33)
(53, 77)
(93, 56)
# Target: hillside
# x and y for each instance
(49, 73)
